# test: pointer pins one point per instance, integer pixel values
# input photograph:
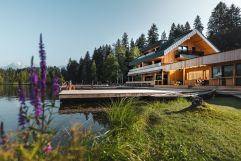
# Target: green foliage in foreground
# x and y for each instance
(149, 131)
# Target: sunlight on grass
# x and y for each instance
(169, 130)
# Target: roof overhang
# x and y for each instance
(188, 36)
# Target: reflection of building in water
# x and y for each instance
(99, 116)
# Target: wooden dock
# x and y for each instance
(120, 93)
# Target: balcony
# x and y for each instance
(146, 69)
(147, 57)
(189, 54)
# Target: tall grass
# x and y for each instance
(150, 131)
(128, 137)
(122, 113)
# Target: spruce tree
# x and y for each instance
(111, 68)
(163, 36)
(93, 72)
(72, 70)
(134, 53)
(125, 41)
(187, 26)
(86, 68)
(233, 17)
(217, 22)
(198, 24)
(132, 44)
(171, 33)
(141, 41)
(80, 68)
(153, 34)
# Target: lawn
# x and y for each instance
(153, 131)
(172, 131)
(211, 132)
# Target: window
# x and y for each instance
(183, 49)
(158, 77)
(193, 49)
(217, 72)
(238, 81)
(238, 69)
(228, 71)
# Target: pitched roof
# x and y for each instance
(169, 45)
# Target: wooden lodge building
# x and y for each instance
(188, 60)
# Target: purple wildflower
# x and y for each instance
(21, 96)
(37, 104)
(22, 117)
(33, 79)
(56, 87)
(47, 149)
(43, 66)
(35, 93)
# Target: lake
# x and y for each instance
(9, 109)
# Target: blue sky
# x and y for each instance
(71, 27)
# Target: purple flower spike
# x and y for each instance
(43, 66)
(37, 104)
(21, 95)
(38, 111)
(22, 117)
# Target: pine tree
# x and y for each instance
(111, 68)
(182, 29)
(163, 36)
(93, 71)
(98, 57)
(132, 44)
(217, 22)
(171, 33)
(86, 68)
(80, 68)
(198, 24)
(122, 56)
(233, 17)
(125, 41)
(141, 41)
(187, 26)
(72, 70)
(134, 53)
(153, 34)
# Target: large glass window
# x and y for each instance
(238, 81)
(238, 70)
(217, 71)
(158, 77)
(183, 49)
(228, 71)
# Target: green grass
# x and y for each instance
(150, 131)
(170, 131)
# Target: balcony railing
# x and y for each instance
(145, 69)
(189, 54)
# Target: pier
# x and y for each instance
(120, 93)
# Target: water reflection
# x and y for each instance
(91, 117)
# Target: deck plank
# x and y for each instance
(114, 93)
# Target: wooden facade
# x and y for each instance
(192, 60)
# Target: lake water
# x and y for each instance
(9, 109)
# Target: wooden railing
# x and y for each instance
(228, 56)
(141, 83)
(145, 69)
